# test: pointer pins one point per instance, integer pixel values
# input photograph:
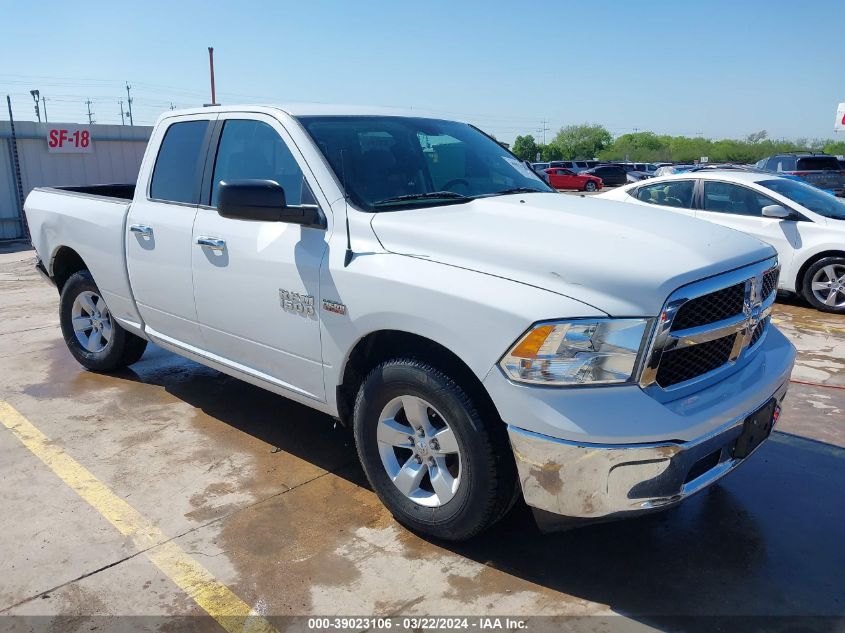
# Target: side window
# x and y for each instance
(677, 193)
(176, 171)
(784, 163)
(723, 197)
(252, 150)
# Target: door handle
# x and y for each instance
(141, 230)
(214, 243)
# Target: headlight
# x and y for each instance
(578, 352)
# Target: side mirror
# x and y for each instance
(261, 200)
(777, 211)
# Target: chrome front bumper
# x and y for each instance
(582, 482)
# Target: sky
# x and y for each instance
(715, 68)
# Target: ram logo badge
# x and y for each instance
(297, 303)
(334, 306)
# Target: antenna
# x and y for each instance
(347, 258)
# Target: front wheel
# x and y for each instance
(824, 285)
(590, 186)
(92, 335)
(431, 459)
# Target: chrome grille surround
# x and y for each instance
(748, 327)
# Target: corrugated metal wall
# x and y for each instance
(116, 157)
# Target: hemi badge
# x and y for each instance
(334, 306)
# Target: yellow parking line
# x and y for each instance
(214, 597)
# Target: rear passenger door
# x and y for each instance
(159, 230)
(676, 195)
(256, 283)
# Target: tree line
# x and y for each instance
(595, 141)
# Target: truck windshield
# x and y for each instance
(808, 196)
(392, 162)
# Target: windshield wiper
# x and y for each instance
(505, 192)
(431, 195)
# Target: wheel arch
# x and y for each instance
(802, 270)
(382, 345)
(64, 263)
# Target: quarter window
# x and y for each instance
(677, 193)
(252, 150)
(176, 172)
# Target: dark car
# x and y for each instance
(611, 175)
(820, 170)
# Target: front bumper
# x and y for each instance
(582, 482)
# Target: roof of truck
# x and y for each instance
(309, 109)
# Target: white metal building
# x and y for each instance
(112, 155)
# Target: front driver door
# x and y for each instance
(741, 208)
(256, 284)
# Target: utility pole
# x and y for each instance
(44, 107)
(211, 71)
(172, 107)
(129, 101)
(542, 130)
(122, 120)
(35, 96)
(90, 115)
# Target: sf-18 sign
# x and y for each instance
(69, 139)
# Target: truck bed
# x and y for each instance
(118, 190)
(91, 221)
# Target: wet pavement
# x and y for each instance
(268, 496)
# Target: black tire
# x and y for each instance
(806, 284)
(488, 481)
(590, 186)
(123, 348)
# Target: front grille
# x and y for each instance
(758, 332)
(686, 363)
(770, 282)
(710, 308)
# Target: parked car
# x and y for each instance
(647, 168)
(611, 175)
(572, 165)
(415, 280)
(667, 170)
(540, 167)
(567, 179)
(820, 170)
(804, 224)
(636, 176)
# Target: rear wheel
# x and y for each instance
(824, 285)
(590, 186)
(92, 335)
(427, 453)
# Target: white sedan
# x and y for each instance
(804, 224)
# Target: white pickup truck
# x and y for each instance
(482, 334)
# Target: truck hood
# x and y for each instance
(622, 259)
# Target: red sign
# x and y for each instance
(70, 139)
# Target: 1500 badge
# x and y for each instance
(295, 302)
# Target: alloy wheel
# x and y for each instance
(828, 285)
(92, 321)
(419, 451)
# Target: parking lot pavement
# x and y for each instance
(266, 497)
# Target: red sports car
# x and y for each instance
(560, 178)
